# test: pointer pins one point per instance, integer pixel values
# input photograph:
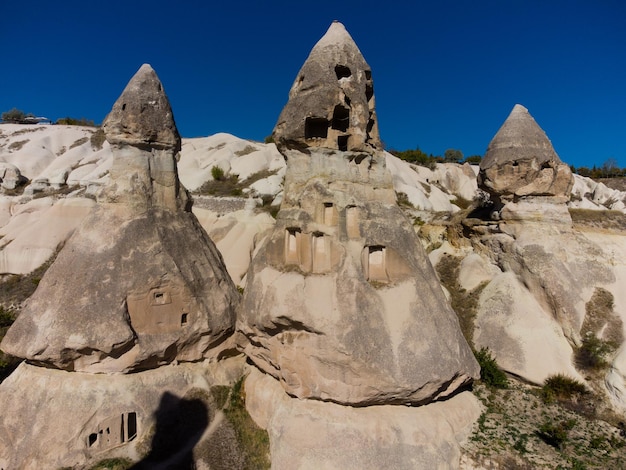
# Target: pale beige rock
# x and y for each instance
(308, 434)
(37, 229)
(139, 284)
(525, 338)
(341, 302)
(61, 419)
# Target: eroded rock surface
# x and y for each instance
(520, 161)
(341, 302)
(140, 283)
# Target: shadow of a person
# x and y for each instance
(180, 424)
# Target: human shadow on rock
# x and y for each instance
(180, 424)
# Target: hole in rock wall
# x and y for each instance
(342, 71)
(292, 245)
(375, 263)
(342, 143)
(315, 128)
(114, 431)
(183, 319)
(369, 91)
(341, 118)
(158, 310)
(368, 75)
(321, 253)
(329, 213)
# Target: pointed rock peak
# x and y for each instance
(335, 35)
(519, 138)
(331, 103)
(142, 115)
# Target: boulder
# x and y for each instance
(520, 162)
(341, 302)
(10, 176)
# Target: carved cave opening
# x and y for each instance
(315, 128)
(342, 143)
(341, 118)
(342, 71)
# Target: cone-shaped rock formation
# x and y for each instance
(140, 283)
(520, 161)
(341, 303)
(331, 103)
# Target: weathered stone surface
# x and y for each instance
(57, 419)
(142, 115)
(139, 284)
(341, 302)
(10, 176)
(308, 434)
(520, 161)
(331, 103)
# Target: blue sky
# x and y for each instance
(446, 73)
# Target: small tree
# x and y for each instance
(452, 156)
(217, 173)
(14, 115)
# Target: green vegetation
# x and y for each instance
(591, 355)
(556, 434)
(490, 373)
(69, 121)
(97, 139)
(561, 388)
(79, 142)
(245, 151)
(113, 464)
(217, 173)
(253, 440)
(16, 116)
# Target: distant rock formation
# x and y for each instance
(139, 285)
(520, 165)
(341, 303)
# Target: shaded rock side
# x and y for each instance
(308, 434)
(520, 161)
(331, 103)
(160, 418)
(139, 284)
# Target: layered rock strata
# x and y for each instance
(341, 302)
(138, 285)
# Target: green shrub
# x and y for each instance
(562, 388)
(490, 373)
(217, 173)
(591, 355)
(97, 139)
(555, 434)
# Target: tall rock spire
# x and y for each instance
(145, 142)
(331, 103)
(139, 284)
(341, 302)
(520, 161)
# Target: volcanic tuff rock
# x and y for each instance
(341, 302)
(520, 161)
(139, 284)
(331, 103)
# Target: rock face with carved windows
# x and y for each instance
(341, 302)
(138, 286)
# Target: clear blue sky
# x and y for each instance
(446, 73)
